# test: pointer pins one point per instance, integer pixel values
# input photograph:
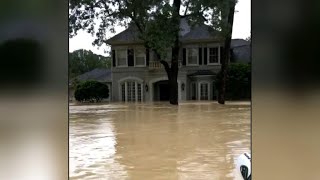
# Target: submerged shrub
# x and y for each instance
(91, 91)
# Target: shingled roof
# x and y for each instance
(98, 74)
(239, 42)
(131, 35)
(199, 33)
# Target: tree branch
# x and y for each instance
(166, 66)
(195, 14)
(187, 6)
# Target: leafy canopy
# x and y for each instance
(156, 20)
(92, 91)
(81, 61)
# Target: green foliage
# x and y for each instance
(156, 20)
(238, 81)
(81, 61)
(91, 91)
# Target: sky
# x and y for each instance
(241, 29)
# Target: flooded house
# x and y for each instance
(137, 75)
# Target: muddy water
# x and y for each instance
(198, 140)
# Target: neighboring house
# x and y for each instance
(99, 74)
(240, 51)
(137, 75)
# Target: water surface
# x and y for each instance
(195, 140)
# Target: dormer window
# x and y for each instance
(192, 57)
(213, 55)
(140, 57)
(121, 57)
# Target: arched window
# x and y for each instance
(131, 91)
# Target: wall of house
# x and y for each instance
(148, 77)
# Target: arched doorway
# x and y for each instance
(152, 83)
(161, 91)
(131, 89)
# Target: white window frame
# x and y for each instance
(135, 83)
(199, 89)
(117, 58)
(208, 55)
(187, 56)
(145, 57)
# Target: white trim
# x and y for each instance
(199, 89)
(145, 57)
(131, 78)
(136, 90)
(125, 91)
(122, 66)
(208, 55)
(187, 56)
(125, 81)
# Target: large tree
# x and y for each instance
(157, 21)
(81, 61)
(227, 14)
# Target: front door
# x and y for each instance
(164, 92)
(161, 91)
(204, 91)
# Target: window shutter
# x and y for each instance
(130, 57)
(221, 52)
(200, 56)
(184, 55)
(147, 57)
(205, 55)
(114, 58)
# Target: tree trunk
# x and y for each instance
(226, 54)
(173, 80)
(172, 72)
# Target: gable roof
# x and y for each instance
(239, 42)
(130, 35)
(187, 33)
(98, 74)
(199, 33)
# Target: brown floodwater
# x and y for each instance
(195, 140)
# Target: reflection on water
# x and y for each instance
(195, 140)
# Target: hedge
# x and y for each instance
(91, 91)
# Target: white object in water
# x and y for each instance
(244, 166)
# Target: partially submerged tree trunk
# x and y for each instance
(172, 72)
(173, 80)
(226, 53)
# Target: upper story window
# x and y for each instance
(213, 55)
(140, 57)
(121, 57)
(192, 56)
